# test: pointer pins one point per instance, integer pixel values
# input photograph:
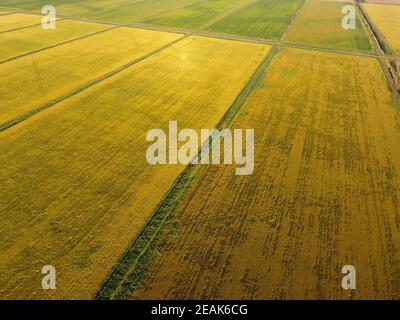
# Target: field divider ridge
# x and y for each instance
(58, 44)
(85, 86)
(6, 13)
(130, 270)
(213, 35)
(292, 20)
(26, 27)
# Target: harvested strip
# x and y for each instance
(79, 187)
(34, 80)
(22, 41)
(18, 20)
(325, 193)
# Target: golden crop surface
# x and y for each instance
(319, 23)
(78, 188)
(325, 193)
(387, 20)
(31, 81)
(23, 41)
(18, 20)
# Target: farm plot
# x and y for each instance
(31, 81)
(325, 193)
(266, 19)
(196, 15)
(23, 41)
(18, 20)
(112, 10)
(387, 19)
(319, 23)
(79, 188)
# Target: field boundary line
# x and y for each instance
(57, 44)
(293, 20)
(6, 13)
(130, 270)
(84, 86)
(371, 30)
(26, 27)
(188, 32)
(384, 48)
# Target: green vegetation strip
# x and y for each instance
(131, 270)
(379, 38)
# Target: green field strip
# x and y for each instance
(225, 14)
(265, 19)
(131, 269)
(111, 10)
(17, 44)
(371, 31)
(83, 87)
(207, 33)
(319, 24)
(167, 11)
(196, 15)
(381, 43)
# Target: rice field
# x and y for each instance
(24, 41)
(16, 20)
(319, 23)
(197, 15)
(112, 10)
(387, 20)
(77, 192)
(266, 19)
(79, 186)
(324, 193)
(47, 75)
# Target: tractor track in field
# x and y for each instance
(187, 32)
(85, 86)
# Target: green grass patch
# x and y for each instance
(267, 19)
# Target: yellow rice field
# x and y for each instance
(18, 20)
(387, 19)
(33, 80)
(325, 193)
(22, 41)
(79, 188)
